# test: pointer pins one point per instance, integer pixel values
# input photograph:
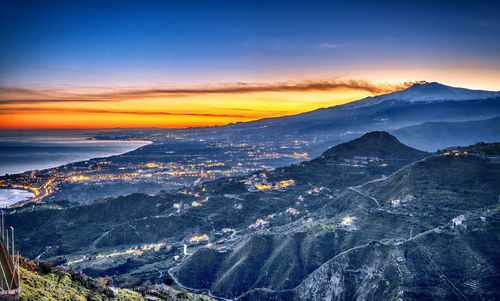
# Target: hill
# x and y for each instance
(389, 238)
(366, 214)
(66, 233)
(432, 136)
(374, 144)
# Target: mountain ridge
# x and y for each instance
(420, 92)
(383, 113)
(428, 92)
(431, 136)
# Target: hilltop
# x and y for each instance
(374, 144)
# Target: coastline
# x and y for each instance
(12, 196)
(8, 190)
(72, 154)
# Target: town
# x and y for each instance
(169, 166)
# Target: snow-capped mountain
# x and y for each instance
(418, 104)
(428, 92)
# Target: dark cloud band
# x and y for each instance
(33, 96)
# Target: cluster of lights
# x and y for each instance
(199, 238)
(455, 153)
(347, 220)
(260, 183)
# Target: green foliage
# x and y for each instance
(56, 286)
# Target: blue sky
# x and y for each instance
(117, 43)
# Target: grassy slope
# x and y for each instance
(35, 286)
(57, 286)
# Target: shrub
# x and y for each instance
(45, 267)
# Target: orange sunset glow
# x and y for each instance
(177, 107)
(170, 66)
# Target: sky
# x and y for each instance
(106, 64)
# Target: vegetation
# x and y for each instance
(41, 283)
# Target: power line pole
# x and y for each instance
(12, 251)
(7, 242)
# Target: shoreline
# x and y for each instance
(84, 140)
(12, 192)
(33, 196)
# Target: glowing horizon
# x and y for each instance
(162, 64)
(176, 107)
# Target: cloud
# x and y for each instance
(256, 114)
(13, 95)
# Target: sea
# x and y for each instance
(22, 151)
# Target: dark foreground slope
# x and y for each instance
(427, 232)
